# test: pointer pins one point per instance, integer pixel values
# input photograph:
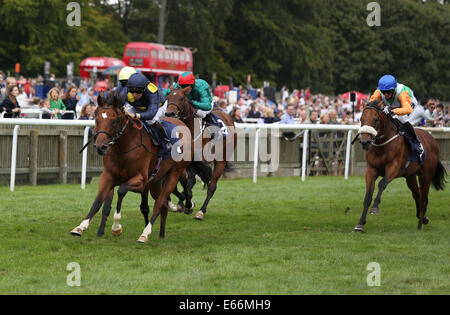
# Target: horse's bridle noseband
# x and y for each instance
(119, 131)
(379, 136)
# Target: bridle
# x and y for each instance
(379, 137)
(181, 110)
(119, 132)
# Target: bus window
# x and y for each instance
(131, 52)
(144, 53)
(154, 54)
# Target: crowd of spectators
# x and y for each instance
(58, 100)
(48, 99)
(302, 107)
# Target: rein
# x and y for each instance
(113, 138)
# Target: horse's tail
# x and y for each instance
(439, 177)
(203, 170)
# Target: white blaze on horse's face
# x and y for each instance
(104, 115)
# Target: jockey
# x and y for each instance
(144, 103)
(124, 75)
(199, 94)
(398, 101)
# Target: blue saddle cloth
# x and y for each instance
(414, 151)
(217, 122)
(164, 150)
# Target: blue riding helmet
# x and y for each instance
(387, 83)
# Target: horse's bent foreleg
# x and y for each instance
(381, 187)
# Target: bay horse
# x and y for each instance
(179, 106)
(129, 158)
(386, 156)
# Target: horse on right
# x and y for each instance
(388, 155)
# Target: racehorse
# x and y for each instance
(387, 155)
(179, 106)
(129, 157)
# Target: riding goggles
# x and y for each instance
(136, 90)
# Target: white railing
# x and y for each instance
(17, 122)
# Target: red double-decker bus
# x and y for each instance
(164, 61)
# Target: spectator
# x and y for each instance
(332, 115)
(303, 116)
(84, 98)
(236, 116)
(56, 104)
(86, 112)
(223, 105)
(253, 113)
(23, 99)
(440, 120)
(10, 104)
(70, 101)
(421, 112)
(2, 87)
(288, 117)
(314, 117)
(45, 107)
(269, 117)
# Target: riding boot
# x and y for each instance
(163, 132)
(412, 134)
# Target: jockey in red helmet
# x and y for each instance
(199, 93)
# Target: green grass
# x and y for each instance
(280, 236)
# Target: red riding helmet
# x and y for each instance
(186, 78)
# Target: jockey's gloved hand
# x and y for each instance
(387, 110)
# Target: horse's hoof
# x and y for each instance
(359, 228)
(189, 211)
(199, 216)
(77, 231)
(375, 211)
(117, 233)
(426, 220)
(143, 239)
(172, 207)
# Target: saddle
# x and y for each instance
(213, 120)
(416, 153)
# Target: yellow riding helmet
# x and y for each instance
(126, 73)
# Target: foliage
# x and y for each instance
(322, 44)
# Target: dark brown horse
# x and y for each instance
(179, 106)
(129, 157)
(387, 154)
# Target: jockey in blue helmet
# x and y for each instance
(398, 102)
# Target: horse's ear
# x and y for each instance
(187, 89)
(100, 101)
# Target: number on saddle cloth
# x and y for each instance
(214, 120)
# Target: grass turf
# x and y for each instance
(280, 236)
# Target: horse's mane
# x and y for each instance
(374, 104)
(114, 98)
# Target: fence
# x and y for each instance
(328, 144)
